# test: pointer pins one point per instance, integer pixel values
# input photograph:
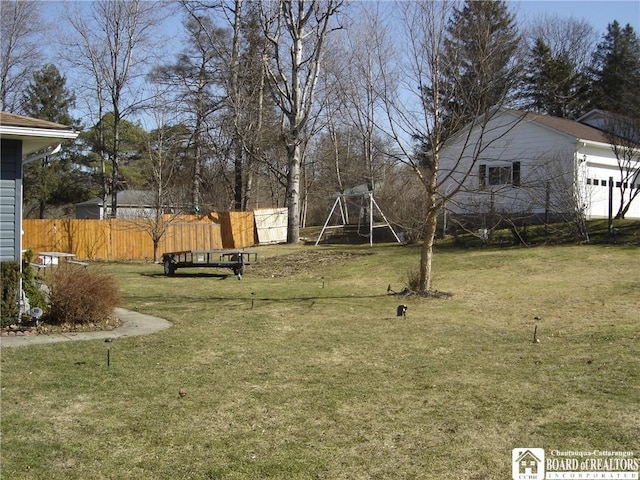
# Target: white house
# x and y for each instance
(533, 165)
(132, 205)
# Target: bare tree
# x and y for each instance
(572, 36)
(358, 77)
(114, 40)
(194, 80)
(416, 98)
(624, 135)
(245, 84)
(164, 144)
(296, 31)
(20, 49)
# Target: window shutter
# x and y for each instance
(482, 176)
(516, 174)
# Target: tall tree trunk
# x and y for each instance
(426, 253)
(197, 150)
(114, 162)
(235, 101)
(294, 82)
(197, 175)
(293, 194)
(238, 189)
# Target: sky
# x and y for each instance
(598, 13)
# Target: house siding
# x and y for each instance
(508, 139)
(550, 164)
(10, 199)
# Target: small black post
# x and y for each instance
(108, 357)
(547, 202)
(535, 334)
(610, 225)
(253, 295)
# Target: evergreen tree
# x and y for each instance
(616, 71)
(480, 48)
(47, 97)
(133, 140)
(553, 85)
(51, 183)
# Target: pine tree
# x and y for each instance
(616, 71)
(48, 183)
(482, 40)
(133, 141)
(536, 79)
(553, 85)
(47, 97)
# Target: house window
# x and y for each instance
(596, 181)
(502, 174)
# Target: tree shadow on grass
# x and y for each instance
(220, 276)
(268, 299)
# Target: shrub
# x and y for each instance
(80, 296)
(9, 281)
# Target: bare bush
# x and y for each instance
(79, 296)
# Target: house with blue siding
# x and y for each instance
(22, 140)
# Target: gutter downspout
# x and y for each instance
(49, 152)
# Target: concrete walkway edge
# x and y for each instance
(133, 324)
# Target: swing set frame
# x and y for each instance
(341, 204)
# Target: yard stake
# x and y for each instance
(108, 357)
(535, 334)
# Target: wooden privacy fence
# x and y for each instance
(118, 239)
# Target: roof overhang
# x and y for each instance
(606, 146)
(35, 134)
(581, 142)
(36, 139)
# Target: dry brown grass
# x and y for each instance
(320, 379)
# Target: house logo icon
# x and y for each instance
(528, 463)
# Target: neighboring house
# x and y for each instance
(529, 164)
(132, 205)
(22, 140)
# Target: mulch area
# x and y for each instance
(300, 262)
(28, 327)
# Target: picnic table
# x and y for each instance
(54, 258)
(235, 260)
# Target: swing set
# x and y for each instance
(365, 205)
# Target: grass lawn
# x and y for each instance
(302, 370)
